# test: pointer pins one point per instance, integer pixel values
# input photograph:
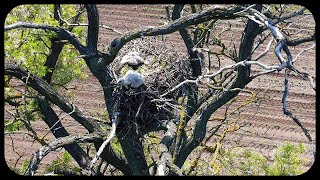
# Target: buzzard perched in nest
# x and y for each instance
(131, 79)
(133, 59)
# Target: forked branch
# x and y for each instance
(60, 142)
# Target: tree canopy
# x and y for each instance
(153, 127)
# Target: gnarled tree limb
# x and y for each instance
(183, 22)
(62, 33)
(46, 90)
(60, 142)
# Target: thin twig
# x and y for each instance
(242, 63)
(100, 25)
(73, 110)
(304, 50)
(265, 51)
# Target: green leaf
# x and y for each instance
(15, 126)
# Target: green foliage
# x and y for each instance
(27, 113)
(63, 163)
(247, 162)
(27, 110)
(29, 48)
(288, 160)
(23, 168)
(68, 67)
(12, 126)
(8, 91)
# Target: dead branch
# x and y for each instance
(51, 128)
(115, 122)
(233, 66)
(283, 44)
(289, 16)
(265, 51)
(287, 112)
(304, 50)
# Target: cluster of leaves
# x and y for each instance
(30, 48)
(63, 164)
(23, 168)
(26, 113)
(287, 160)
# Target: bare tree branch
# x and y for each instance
(232, 66)
(62, 33)
(289, 16)
(287, 112)
(304, 50)
(100, 25)
(215, 101)
(215, 12)
(282, 44)
(46, 90)
(265, 51)
(305, 76)
(58, 130)
(30, 25)
(297, 41)
(195, 63)
(114, 121)
(60, 142)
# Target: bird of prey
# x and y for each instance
(133, 59)
(131, 79)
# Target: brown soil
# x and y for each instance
(264, 129)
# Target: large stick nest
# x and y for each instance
(142, 107)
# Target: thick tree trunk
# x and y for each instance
(133, 150)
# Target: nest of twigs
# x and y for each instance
(144, 107)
